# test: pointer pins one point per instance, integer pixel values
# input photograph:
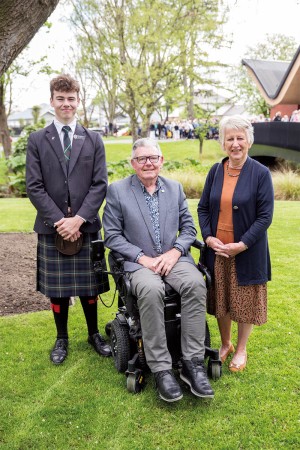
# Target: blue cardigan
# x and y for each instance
(252, 206)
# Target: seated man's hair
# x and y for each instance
(145, 142)
(64, 83)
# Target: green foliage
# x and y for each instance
(135, 58)
(16, 162)
(84, 405)
(118, 170)
(286, 185)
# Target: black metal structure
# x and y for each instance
(277, 140)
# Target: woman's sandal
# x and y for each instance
(229, 351)
(233, 367)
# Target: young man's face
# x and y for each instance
(65, 105)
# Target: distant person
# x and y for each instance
(277, 117)
(235, 211)
(66, 181)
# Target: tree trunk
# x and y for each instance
(201, 141)
(4, 131)
(19, 22)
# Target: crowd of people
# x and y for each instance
(180, 129)
(278, 117)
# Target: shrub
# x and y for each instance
(286, 185)
(16, 162)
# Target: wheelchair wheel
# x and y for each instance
(108, 328)
(135, 381)
(214, 369)
(120, 345)
(207, 336)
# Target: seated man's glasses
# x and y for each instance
(143, 159)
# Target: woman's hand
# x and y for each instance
(225, 250)
(231, 249)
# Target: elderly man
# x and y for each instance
(146, 220)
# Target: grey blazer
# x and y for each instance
(48, 181)
(128, 228)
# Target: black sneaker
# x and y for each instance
(99, 344)
(193, 373)
(167, 386)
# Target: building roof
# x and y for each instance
(277, 81)
(27, 114)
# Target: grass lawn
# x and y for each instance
(172, 150)
(84, 403)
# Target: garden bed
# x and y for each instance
(18, 275)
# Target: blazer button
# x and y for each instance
(235, 207)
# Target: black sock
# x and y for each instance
(89, 306)
(60, 308)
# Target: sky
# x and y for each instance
(249, 23)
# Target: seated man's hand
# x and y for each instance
(164, 263)
(147, 262)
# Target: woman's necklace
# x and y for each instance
(234, 168)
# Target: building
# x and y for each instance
(18, 120)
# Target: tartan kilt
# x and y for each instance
(60, 275)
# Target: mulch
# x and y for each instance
(18, 275)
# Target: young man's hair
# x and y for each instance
(64, 83)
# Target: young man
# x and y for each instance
(66, 180)
(146, 220)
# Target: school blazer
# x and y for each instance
(49, 183)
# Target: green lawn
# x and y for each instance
(84, 403)
(175, 151)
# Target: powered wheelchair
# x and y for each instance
(125, 330)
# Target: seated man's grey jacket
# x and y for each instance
(127, 224)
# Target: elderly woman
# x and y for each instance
(234, 212)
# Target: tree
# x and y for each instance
(36, 109)
(277, 47)
(136, 50)
(21, 66)
(19, 22)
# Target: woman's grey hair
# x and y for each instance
(145, 142)
(236, 123)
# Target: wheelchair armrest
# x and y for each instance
(117, 257)
(198, 244)
(205, 272)
(98, 250)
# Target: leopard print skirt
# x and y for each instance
(245, 304)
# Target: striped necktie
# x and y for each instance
(67, 143)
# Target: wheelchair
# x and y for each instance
(125, 330)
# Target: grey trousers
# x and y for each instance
(149, 289)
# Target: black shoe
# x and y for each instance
(99, 344)
(167, 386)
(194, 374)
(60, 351)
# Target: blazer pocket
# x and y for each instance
(86, 158)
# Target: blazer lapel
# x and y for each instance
(78, 141)
(53, 138)
(163, 210)
(139, 195)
